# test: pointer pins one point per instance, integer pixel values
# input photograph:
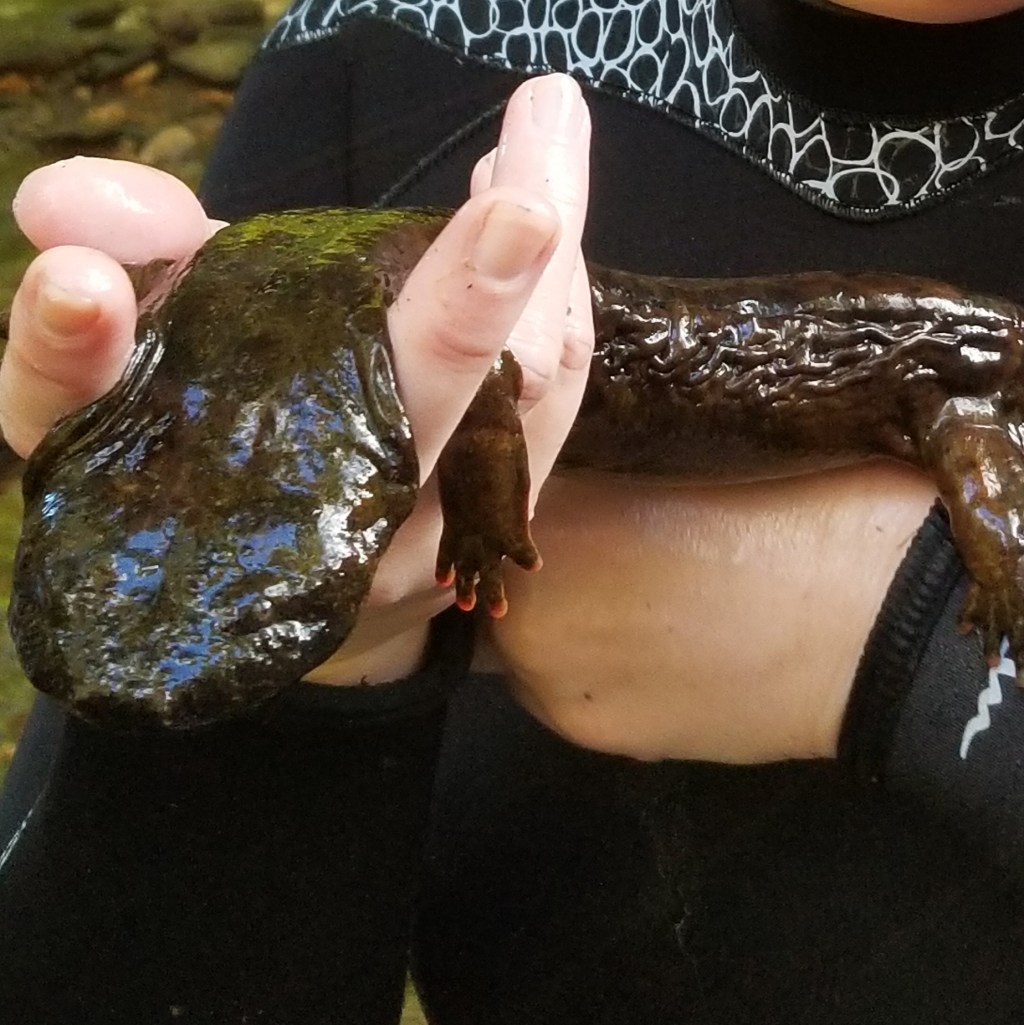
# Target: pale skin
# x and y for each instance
(936, 12)
(743, 641)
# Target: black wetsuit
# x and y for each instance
(265, 871)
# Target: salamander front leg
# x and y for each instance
(484, 481)
(978, 463)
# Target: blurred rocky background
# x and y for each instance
(144, 80)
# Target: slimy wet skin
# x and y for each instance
(204, 535)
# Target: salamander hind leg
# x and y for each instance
(976, 456)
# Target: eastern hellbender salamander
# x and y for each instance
(204, 535)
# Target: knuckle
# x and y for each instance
(577, 345)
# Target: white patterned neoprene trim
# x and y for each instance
(687, 59)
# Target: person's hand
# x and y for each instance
(712, 623)
(506, 269)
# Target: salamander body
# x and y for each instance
(205, 534)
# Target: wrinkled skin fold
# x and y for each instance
(205, 534)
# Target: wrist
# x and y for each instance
(390, 659)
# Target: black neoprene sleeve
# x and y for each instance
(893, 656)
(928, 716)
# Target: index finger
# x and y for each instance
(462, 301)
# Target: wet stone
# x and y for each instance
(176, 25)
(106, 118)
(88, 129)
(186, 20)
(170, 146)
(218, 99)
(13, 85)
(120, 53)
(96, 14)
(34, 47)
(235, 12)
(216, 61)
(141, 77)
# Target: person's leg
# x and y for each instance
(545, 897)
(564, 887)
(257, 870)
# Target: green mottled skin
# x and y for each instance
(204, 535)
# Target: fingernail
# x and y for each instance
(65, 314)
(512, 239)
(557, 104)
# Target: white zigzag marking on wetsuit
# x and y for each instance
(686, 57)
(6, 853)
(991, 696)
